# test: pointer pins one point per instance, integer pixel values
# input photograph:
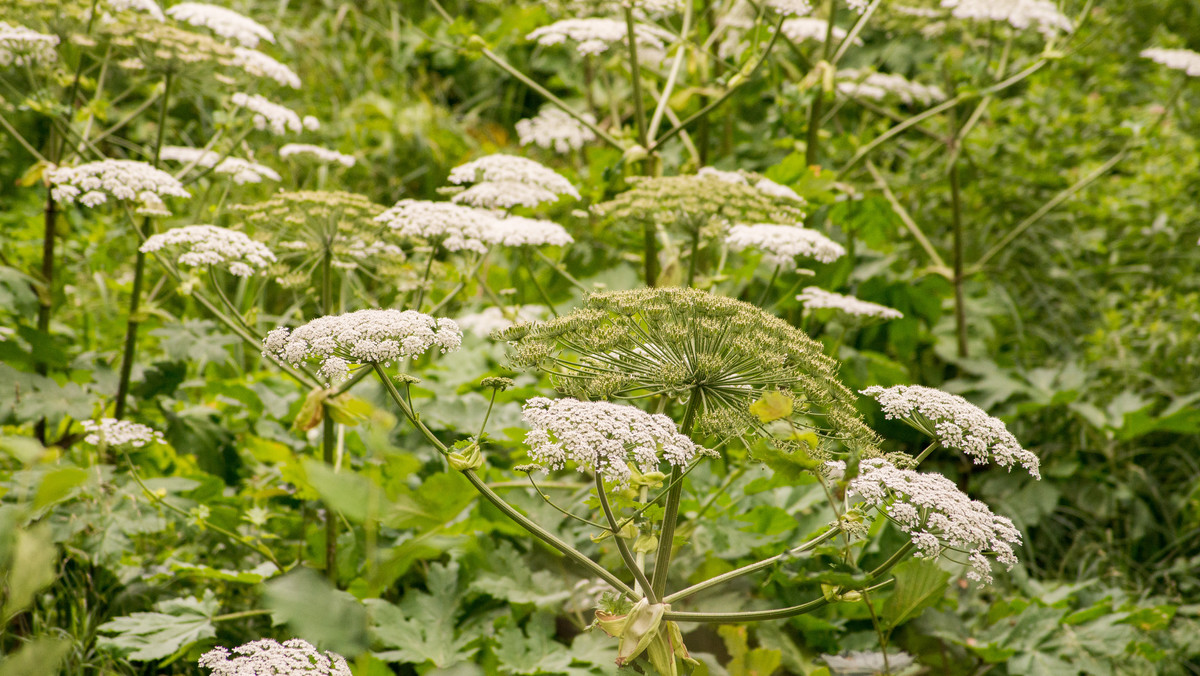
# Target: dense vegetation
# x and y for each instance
(191, 457)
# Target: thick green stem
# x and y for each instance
(691, 276)
(662, 558)
(635, 75)
(46, 292)
(328, 442)
(925, 453)
(650, 252)
(538, 285)
(424, 280)
(812, 149)
(131, 329)
(767, 289)
(626, 555)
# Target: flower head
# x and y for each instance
(879, 86)
(362, 337)
(931, 509)
(801, 29)
(510, 169)
(147, 6)
(488, 320)
(280, 119)
(241, 171)
(114, 433)
(687, 343)
(260, 65)
(212, 245)
(452, 226)
(21, 46)
(317, 153)
(224, 22)
(554, 129)
(504, 195)
(790, 7)
(695, 201)
(816, 298)
(781, 244)
(267, 657)
(604, 437)
(92, 184)
(521, 231)
(1177, 59)
(595, 35)
(956, 423)
(1019, 14)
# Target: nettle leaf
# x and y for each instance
(423, 628)
(920, 583)
(510, 579)
(174, 627)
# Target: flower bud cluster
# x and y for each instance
(596, 35)
(21, 46)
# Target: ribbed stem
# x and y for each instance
(626, 555)
(662, 558)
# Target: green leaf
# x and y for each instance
(424, 627)
(176, 625)
(33, 568)
(772, 405)
(39, 657)
(326, 617)
(510, 579)
(742, 660)
(57, 485)
(346, 492)
(794, 467)
(920, 583)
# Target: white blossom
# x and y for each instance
(554, 129)
(878, 86)
(919, 12)
(865, 663)
(453, 226)
(504, 195)
(521, 231)
(20, 46)
(279, 119)
(258, 64)
(93, 183)
(931, 509)
(781, 244)
(859, 6)
(722, 175)
(362, 337)
(113, 433)
(801, 29)
(816, 298)
(224, 22)
(1176, 59)
(790, 7)
(777, 190)
(320, 154)
(510, 168)
(204, 245)
(595, 35)
(604, 437)
(241, 171)
(834, 470)
(762, 184)
(147, 6)
(484, 322)
(956, 424)
(267, 657)
(1019, 14)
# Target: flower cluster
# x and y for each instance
(280, 119)
(258, 64)
(1176, 59)
(490, 319)
(931, 509)
(114, 433)
(781, 244)
(317, 152)
(956, 423)
(241, 171)
(879, 86)
(790, 7)
(689, 343)
(93, 183)
(147, 6)
(267, 657)
(553, 128)
(1019, 14)
(521, 231)
(362, 337)
(604, 437)
(807, 28)
(224, 22)
(595, 35)
(21, 46)
(453, 226)
(816, 298)
(205, 245)
(761, 183)
(349, 212)
(164, 47)
(504, 181)
(694, 201)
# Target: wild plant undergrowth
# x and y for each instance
(589, 338)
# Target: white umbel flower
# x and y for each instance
(761, 184)
(879, 86)
(146, 6)
(316, 152)
(956, 424)
(604, 437)
(21, 46)
(504, 195)
(205, 245)
(92, 184)
(801, 29)
(267, 657)
(510, 168)
(452, 226)
(267, 115)
(816, 298)
(596, 35)
(1177, 59)
(258, 64)
(521, 231)
(241, 171)
(113, 433)
(484, 322)
(931, 509)
(781, 244)
(790, 7)
(224, 22)
(554, 129)
(864, 663)
(362, 337)
(1019, 14)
